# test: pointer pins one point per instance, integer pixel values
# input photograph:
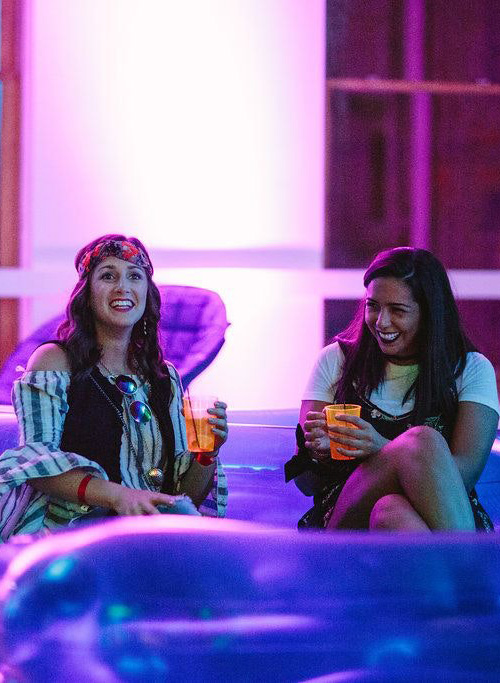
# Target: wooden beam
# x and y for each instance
(381, 85)
(10, 166)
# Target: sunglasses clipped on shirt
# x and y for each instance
(140, 411)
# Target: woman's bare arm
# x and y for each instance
(472, 439)
(102, 493)
(198, 481)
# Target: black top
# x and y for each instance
(93, 428)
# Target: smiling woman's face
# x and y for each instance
(118, 292)
(393, 316)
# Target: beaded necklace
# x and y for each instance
(155, 475)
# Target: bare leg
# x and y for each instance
(418, 465)
(395, 513)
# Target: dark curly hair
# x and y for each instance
(442, 342)
(78, 336)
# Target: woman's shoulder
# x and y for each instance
(172, 370)
(476, 362)
(332, 353)
(175, 378)
(477, 382)
(325, 374)
(48, 357)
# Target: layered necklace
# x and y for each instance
(141, 413)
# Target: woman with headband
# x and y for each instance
(99, 410)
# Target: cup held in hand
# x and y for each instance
(341, 409)
(201, 438)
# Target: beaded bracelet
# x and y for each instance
(82, 487)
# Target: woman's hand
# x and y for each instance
(220, 423)
(316, 435)
(365, 440)
(141, 502)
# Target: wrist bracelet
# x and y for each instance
(82, 487)
(205, 459)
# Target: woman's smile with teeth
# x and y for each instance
(388, 337)
(119, 292)
(121, 303)
(393, 317)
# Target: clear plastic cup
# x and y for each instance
(201, 438)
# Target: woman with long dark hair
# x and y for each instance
(100, 410)
(429, 409)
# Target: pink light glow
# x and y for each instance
(195, 126)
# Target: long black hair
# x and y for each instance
(78, 335)
(442, 342)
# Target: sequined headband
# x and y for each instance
(122, 249)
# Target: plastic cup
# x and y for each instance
(200, 437)
(341, 409)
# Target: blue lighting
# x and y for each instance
(138, 666)
(59, 569)
(399, 648)
(118, 612)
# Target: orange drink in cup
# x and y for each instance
(200, 436)
(341, 409)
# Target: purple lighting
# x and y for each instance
(144, 597)
(241, 624)
(68, 542)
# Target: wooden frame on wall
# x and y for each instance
(10, 76)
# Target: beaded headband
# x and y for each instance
(122, 249)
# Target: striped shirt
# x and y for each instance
(41, 406)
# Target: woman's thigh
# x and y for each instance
(372, 479)
(417, 464)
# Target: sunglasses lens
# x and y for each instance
(126, 384)
(140, 411)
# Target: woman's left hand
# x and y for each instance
(365, 440)
(220, 423)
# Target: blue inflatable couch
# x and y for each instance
(250, 598)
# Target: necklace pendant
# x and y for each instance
(155, 476)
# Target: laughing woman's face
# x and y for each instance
(393, 317)
(118, 291)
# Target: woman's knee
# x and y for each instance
(394, 512)
(426, 437)
(423, 446)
